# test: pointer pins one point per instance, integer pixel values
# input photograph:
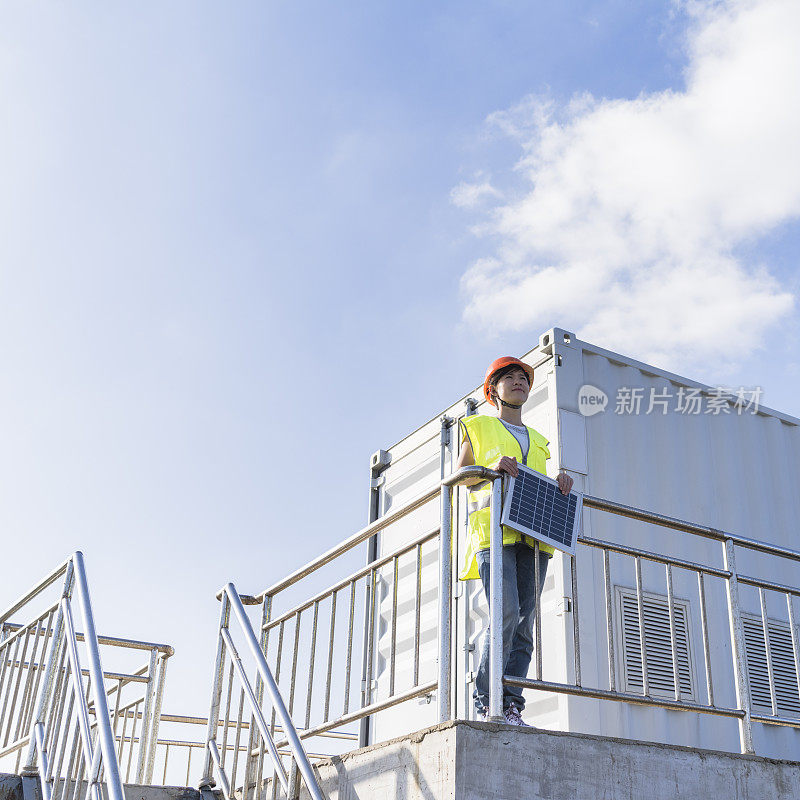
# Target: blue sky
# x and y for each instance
(238, 242)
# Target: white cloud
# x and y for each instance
(469, 195)
(631, 210)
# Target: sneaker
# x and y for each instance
(482, 714)
(514, 717)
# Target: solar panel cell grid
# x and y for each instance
(535, 506)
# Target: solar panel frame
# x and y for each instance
(533, 505)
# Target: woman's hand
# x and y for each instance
(564, 482)
(508, 464)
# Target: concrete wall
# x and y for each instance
(421, 766)
(482, 761)
(10, 787)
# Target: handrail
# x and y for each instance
(225, 646)
(114, 641)
(21, 645)
(192, 720)
(348, 544)
(343, 590)
(359, 573)
(677, 524)
(626, 550)
(469, 472)
(181, 769)
(57, 676)
(728, 573)
(48, 580)
(125, 677)
(457, 478)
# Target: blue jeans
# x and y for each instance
(519, 612)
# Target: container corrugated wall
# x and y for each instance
(734, 472)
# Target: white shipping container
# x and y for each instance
(732, 470)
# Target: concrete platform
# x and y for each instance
(483, 761)
(11, 789)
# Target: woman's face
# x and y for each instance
(513, 387)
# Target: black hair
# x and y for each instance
(504, 371)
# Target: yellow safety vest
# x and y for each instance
(490, 441)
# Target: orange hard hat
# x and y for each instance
(498, 364)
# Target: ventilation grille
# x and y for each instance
(660, 672)
(783, 668)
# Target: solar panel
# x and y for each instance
(535, 506)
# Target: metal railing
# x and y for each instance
(229, 670)
(179, 752)
(47, 705)
(743, 710)
(134, 695)
(316, 642)
(144, 705)
(315, 645)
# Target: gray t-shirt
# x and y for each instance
(520, 433)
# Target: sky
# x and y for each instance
(243, 246)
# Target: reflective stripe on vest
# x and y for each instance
(477, 499)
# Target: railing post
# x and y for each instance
(252, 768)
(147, 719)
(496, 606)
(738, 647)
(445, 604)
(105, 738)
(207, 781)
(157, 701)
